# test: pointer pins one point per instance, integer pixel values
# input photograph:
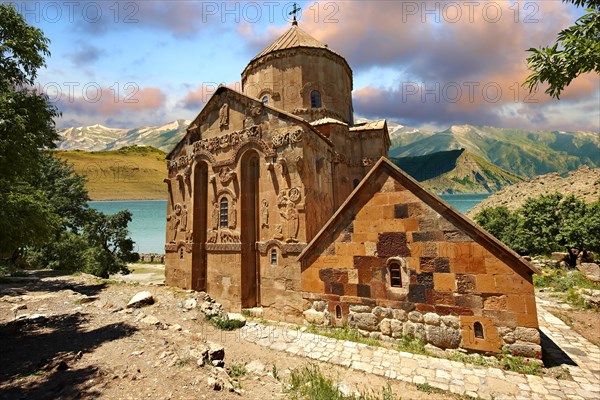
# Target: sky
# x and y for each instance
(424, 64)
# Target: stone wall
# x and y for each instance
(443, 331)
(152, 257)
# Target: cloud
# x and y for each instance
(85, 55)
(104, 103)
(196, 98)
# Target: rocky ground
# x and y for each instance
(584, 183)
(67, 337)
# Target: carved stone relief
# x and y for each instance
(282, 139)
(264, 213)
(226, 175)
(220, 143)
(232, 215)
(290, 215)
(278, 232)
(224, 115)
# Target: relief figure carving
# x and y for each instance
(264, 213)
(224, 115)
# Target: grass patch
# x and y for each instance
(411, 344)
(225, 324)
(182, 362)
(237, 370)
(309, 383)
(566, 283)
(427, 388)
(344, 333)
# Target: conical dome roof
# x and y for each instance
(294, 37)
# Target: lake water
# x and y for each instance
(148, 226)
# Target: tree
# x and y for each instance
(576, 51)
(26, 126)
(545, 224)
(44, 214)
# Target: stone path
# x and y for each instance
(452, 376)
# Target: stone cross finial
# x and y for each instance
(295, 11)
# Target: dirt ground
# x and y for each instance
(85, 344)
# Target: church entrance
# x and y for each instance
(200, 216)
(249, 230)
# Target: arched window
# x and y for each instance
(315, 99)
(395, 275)
(273, 257)
(224, 213)
(478, 328)
(355, 183)
(338, 311)
(265, 99)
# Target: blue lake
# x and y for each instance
(149, 217)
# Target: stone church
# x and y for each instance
(279, 201)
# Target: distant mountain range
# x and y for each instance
(456, 171)
(525, 153)
(517, 152)
(101, 138)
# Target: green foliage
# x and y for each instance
(545, 224)
(343, 333)
(516, 363)
(411, 344)
(427, 388)
(308, 382)
(44, 203)
(225, 324)
(237, 370)
(576, 51)
(567, 283)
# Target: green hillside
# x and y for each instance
(525, 153)
(456, 171)
(130, 173)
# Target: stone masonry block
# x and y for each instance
(392, 244)
(444, 282)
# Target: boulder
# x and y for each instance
(150, 320)
(314, 317)
(320, 305)
(415, 316)
(416, 330)
(189, 304)
(524, 349)
(359, 308)
(530, 335)
(590, 270)
(237, 317)
(442, 336)
(220, 380)
(591, 297)
(365, 321)
(432, 319)
(215, 351)
(141, 299)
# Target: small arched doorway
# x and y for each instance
(250, 273)
(199, 226)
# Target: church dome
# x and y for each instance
(301, 75)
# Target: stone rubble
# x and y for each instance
(141, 299)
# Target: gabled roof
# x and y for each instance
(369, 125)
(479, 235)
(222, 89)
(294, 37)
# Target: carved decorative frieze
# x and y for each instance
(173, 247)
(224, 247)
(338, 158)
(179, 163)
(282, 139)
(220, 143)
(286, 248)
